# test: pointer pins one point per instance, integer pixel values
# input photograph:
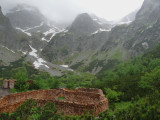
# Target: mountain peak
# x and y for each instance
(83, 15)
(24, 16)
(84, 24)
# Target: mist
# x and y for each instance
(67, 10)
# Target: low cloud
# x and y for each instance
(67, 10)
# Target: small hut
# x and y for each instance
(9, 83)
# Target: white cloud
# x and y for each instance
(111, 9)
(66, 10)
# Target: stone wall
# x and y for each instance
(75, 102)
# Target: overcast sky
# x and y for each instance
(65, 10)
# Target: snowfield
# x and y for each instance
(39, 61)
(24, 31)
(8, 49)
(101, 30)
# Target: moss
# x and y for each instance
(77, 65)
(122, 105)
(94, 64)
(64, 51)
(117, 54)
(111, 63)
(69, 59)
(1, 81)
(61, 98)
(8, 72)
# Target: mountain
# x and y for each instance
(134, 39)
(24, 16)
(32, 22)
(89, 44)
(10, 41)
(94, 52)
(17, 43)
(84, 24)
(78, 42)
(8, 36)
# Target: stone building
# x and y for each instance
(9, 83)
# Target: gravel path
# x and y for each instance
(4, 92)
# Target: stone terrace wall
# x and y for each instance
(76, 101)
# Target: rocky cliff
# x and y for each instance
(10, 41)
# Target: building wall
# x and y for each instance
(5, 84)
(76, 101)
(9, 84)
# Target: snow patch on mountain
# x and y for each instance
(95, 32)
(39, 61)
(66, 66)
(95, 19)
(23, 52)
(60, 31)
(8, 49)
(52, 31)
(49, 32)
(24, 31)
(101, 30)
(43, 39)
(98, 21)
(33, 52)
(145, 45)
(128, 22)
(42, 23)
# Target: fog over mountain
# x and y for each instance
(67, 10)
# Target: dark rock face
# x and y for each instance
(6, 30)
(84, 24)
(8, 36)
(63, 46)
(79, 38)
(30, 21)
(24, 16)
(149, 12)
(10, 41)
